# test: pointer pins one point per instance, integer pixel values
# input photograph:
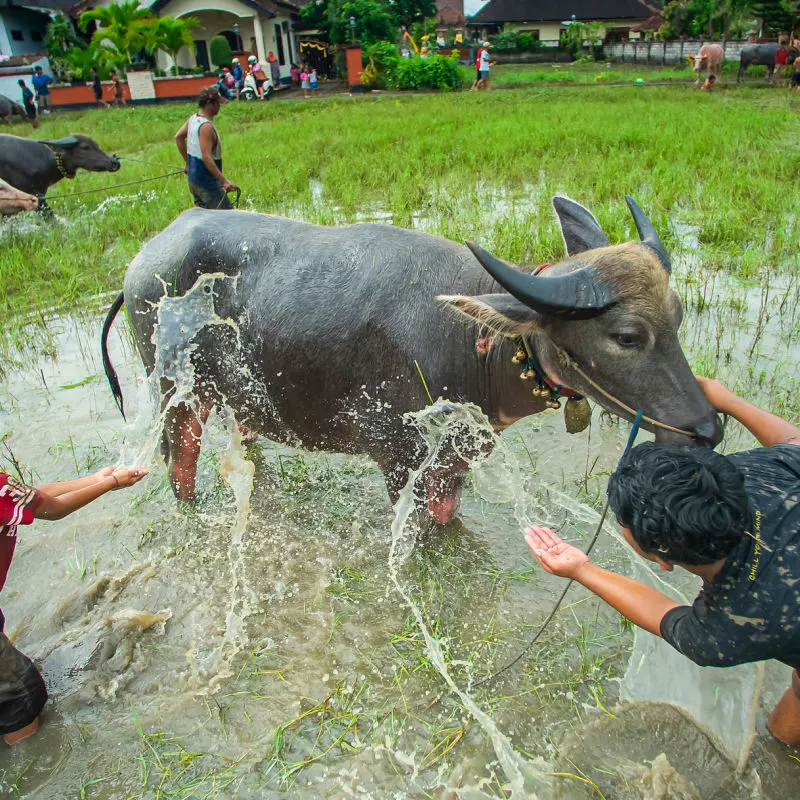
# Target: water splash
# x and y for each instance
(469, 431)
(179, 321)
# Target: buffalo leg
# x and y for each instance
(182, 433)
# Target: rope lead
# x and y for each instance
(631, 439)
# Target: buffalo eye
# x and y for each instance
(629, 338)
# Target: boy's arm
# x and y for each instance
(768, 428)
(57, 507)
(642, 605)
(62, 487)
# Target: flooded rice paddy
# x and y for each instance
(307, 640)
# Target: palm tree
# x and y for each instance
(170, 35)
(60, 36)
(122, 28)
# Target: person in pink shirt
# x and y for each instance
(22, 689)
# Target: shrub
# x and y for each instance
(432, 72)
(382, 54)
(220, 52)
(514, 42)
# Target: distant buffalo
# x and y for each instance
(9, 109)
(758, 55)
(709, 59)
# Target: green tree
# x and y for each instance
(60, 36)
(775, 15)
(407, 12)
(374, 21)
(220, 52)
(170, 35)
(706, 18)
(123, 29)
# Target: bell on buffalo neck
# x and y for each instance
(577, 414)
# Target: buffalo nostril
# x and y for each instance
(710, 430)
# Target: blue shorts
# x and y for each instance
(205, 197)
(314, 85)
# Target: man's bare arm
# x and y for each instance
(641, 604)
(181, 138)
(769, 429)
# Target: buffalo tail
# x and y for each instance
(111, 373)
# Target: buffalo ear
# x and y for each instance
(501, 313)
(65, 141)
(580, 229)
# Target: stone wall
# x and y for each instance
(666, 52)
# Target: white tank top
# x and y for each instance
(193, 144)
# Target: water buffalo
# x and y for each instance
(319, 334)
(10, 109)
(13, 200)
(708, 59)
(34, 166)
(758, 55)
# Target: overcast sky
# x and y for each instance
(471, 6)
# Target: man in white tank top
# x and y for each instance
(199, 144)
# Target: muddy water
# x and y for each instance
(204, 653)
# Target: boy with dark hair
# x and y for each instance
(732, 520)
(97, 88)
(28, 102)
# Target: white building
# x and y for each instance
(250, 26)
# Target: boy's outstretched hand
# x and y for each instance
(554, 554)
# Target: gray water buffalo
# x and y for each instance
(13, 200)
(318, 336)
(755, 55)
(9, 109)
(34, 166)
(708, 59)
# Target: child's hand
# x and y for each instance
(127, 476)
(103, 473)
(554, 554)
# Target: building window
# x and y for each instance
(17, 36)
(279, 45)
(36, 36)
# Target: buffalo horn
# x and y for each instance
(579, 294)
(647, 233)
(65, 141)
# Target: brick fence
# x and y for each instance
(667, 52)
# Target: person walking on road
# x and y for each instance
(199, 144)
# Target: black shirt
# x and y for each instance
(751, 611)
(98, 87)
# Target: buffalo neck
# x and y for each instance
(51, 171)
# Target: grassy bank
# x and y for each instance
(600, 73)
(463, 165)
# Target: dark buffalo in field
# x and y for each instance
(34, 166)
(321, 333)
(9, 109)
(754, 55)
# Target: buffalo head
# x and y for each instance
(81, 152)
(610, 308)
